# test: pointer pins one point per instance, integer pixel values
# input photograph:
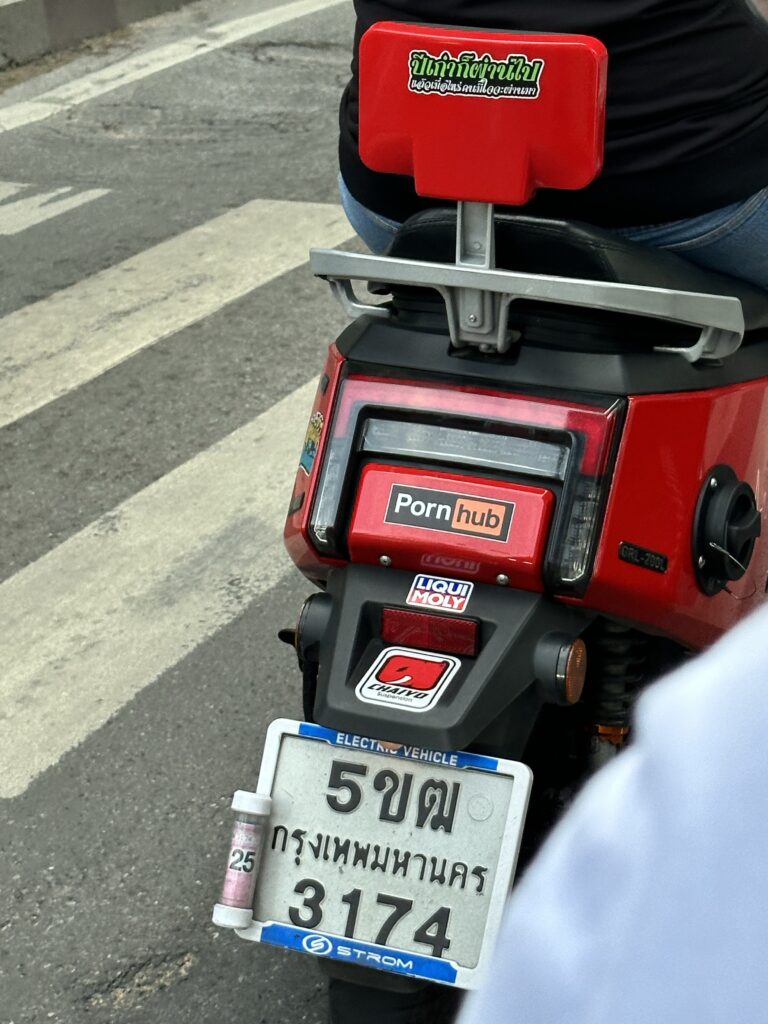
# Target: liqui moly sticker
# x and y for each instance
(404, 678)
(440, 593)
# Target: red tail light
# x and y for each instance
(564, 446)
(443, 633)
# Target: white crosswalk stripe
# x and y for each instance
(77, 334)
(10, 188)
(103, 615)
(28, 211)
(97, 619)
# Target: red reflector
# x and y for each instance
(432, 632)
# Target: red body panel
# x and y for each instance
(538, 121)
(517, 553)
(669, 444)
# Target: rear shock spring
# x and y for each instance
(618, 657)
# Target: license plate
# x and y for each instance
(386, 856)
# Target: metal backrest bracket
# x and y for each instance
(475, 316)
(472, 289)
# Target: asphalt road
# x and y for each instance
(119, 751)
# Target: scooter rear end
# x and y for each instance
(533, 477)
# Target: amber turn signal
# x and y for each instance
(572, 670)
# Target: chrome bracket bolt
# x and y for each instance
(385, 560)
(502, 580)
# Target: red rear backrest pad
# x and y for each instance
(482, 116)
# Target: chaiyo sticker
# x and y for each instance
(401, 677)
(311, 441)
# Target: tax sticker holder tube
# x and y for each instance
(235, 906)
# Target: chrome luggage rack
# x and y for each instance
(477, 296)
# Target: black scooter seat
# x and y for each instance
(571, 249)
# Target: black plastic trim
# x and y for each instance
(393, 349)
(498, 683)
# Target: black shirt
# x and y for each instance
(687, 124)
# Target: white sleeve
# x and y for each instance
(649, 902)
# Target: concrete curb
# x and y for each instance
(31, 28)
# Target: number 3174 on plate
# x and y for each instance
(386, 855)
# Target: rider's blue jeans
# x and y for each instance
(732, 240)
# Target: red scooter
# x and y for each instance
(533, 478)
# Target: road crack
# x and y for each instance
(297, 52)
(137, 982)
